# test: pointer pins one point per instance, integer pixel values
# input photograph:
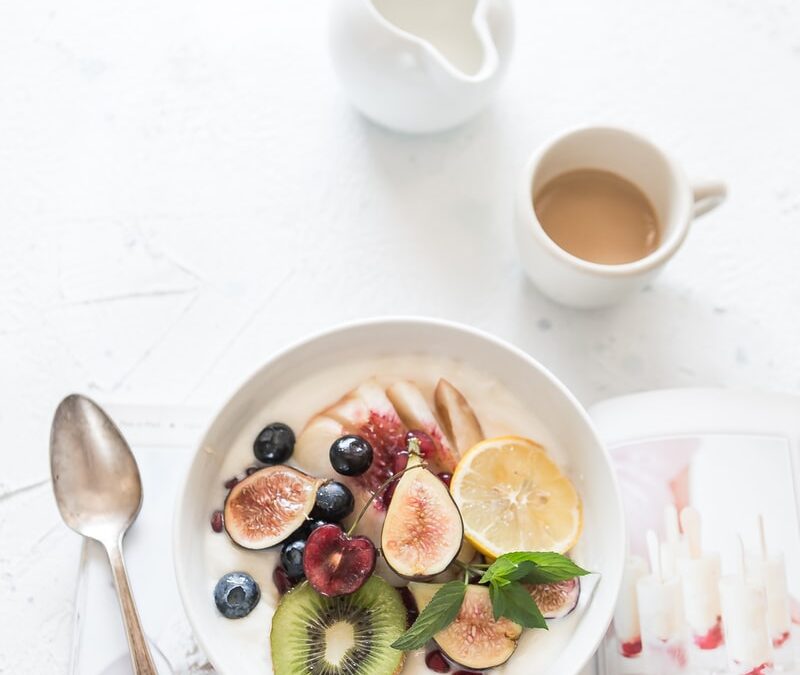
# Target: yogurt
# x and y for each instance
(500, 413)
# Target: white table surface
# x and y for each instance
(184, 189)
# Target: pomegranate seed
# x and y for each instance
(445, 477)
(411, 605)
(251, 470)
(400, 461)
(427, 446)
(231, 482)
(216, 521)
(281, 580)
(436, 662)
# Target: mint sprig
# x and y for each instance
(510, 598)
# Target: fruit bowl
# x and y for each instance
(242, 647)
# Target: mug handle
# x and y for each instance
(707, 196)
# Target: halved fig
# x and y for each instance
(458, 417)
(474, 639)
(556, 600)
(415, 412)
(422, 531)
(267, 506)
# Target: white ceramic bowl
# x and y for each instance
(603, 540)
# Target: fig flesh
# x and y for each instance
(556, 600)
(422, 532)
(474, 639)
(266, 507)
(458, 417)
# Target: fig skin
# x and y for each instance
(267, 506)
(557, 600)
(499, 638)
(423, 532)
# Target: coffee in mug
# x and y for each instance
(597, 215)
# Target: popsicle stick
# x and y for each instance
(671, 526)
(741, 560)
(690, 522)
(762, 536)
(654, 553)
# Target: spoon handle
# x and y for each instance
(140, 651)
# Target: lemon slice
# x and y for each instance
(513, 497)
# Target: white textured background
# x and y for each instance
(183, 190)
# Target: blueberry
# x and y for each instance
(351, 455)
(334, 502)
(236, 594)
(275, 443)
(292, 558)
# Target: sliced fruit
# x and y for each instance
(422, 531)
(513, 497)
(266, 507)
(474, 639)
(415, 412)
(347, 635)
(458, 418)
(336, 563)
(236, 595)
(556, 600)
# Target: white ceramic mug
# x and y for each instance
(579, 283)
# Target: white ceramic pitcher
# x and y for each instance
(420, 66)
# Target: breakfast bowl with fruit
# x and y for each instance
(400, 495)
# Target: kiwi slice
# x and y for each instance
(346, 635)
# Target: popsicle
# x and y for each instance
(626, 613)
(674, 547)
(769, 571)
(660, 606)
(700, 574)
(744, 620)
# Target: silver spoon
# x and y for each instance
(99, 493)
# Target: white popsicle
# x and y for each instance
(700, 575)
(660, 606)
(769, 571)
(626, 613)
(744, 618)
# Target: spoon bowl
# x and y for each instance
(95, 477)
(98, 490)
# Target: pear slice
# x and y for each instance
(458, 418)
(422, 532)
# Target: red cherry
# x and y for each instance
(436, 662)
(281, 580)
(336, 563)
(445, 477)
(216, 521)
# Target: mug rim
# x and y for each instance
(665, 250)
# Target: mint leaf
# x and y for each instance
(437, 615)
(532, 568)
(514, 602)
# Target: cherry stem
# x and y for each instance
(386, 484)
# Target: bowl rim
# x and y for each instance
(183, 501)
